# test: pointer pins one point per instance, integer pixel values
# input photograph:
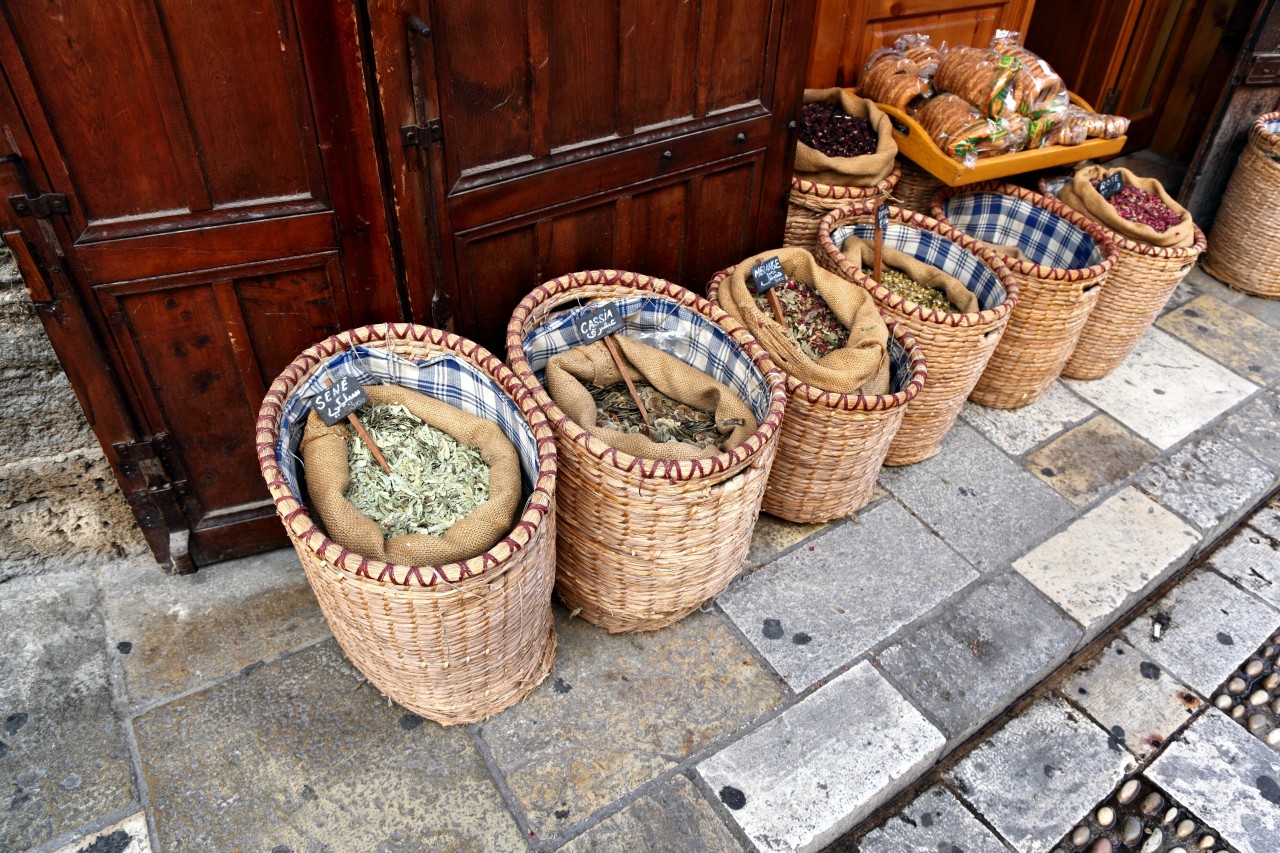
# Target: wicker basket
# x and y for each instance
(649, 541)
(454, 643)
(956, 347)
(1067, 258)
(810, 202)
(832, 445)
(1246, 235)
(915, 187)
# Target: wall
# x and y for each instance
(60, 507)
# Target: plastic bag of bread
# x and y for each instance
(1035, 83)
(1079, 124)
(961, 131)
(984, 78)
(918, 48)
(890, 78)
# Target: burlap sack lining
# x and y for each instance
(866, 170)
(324, 453)
(862, 253)
(1081, 195)
(861, 366)
(569, 373)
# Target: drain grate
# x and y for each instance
(1140, 818)
(1251, 696)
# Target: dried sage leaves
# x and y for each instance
(809, 319)
(435, 481)
(672, 420)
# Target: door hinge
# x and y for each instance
(157, 503)
(33, 202)
(422, 135)
(1263, 70)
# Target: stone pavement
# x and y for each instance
(215, 712)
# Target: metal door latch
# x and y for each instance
(422, 135)
(33, 202)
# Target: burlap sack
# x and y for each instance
(1081, 195)
(324, 453)
(862, 251)
(569, 373)
(861, 366)
(865, 171)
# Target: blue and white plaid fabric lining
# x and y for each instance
(667, 326)
(1044, 238)
(445, 377)
(1272, 126)
(899, 367)
(936, 251)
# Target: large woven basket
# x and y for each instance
(1245, 252)
(832, 445)
(956, 347)
(1140, 283)
(1065, 264)
(648, 541)
(810, 202)
(454, 643)
(915, 187)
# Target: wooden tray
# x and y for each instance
(915, 145)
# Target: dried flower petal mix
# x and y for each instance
(831, 130)
(809, 319)
(905, 286)
(1138, 205)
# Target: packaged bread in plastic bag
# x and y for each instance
(984, 78)
(1035, 84)
(919, 49)
(961, 131)
(890, 78)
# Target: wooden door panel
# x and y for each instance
(733, 59)
(966, 26)
(656, 233)
(582, 72)
(658, 70)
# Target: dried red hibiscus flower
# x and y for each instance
(1144, 208)
(834, 132)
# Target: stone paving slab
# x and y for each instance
(978, 499)
(773, 535)
(1229, 336)
(826, 604)
(1133, 698)
(128, 836)
(935, 821)
(175, 632)
(1165, 390)
(977, 655)
(621, 709)
(1199, 283)
(302, 754)
(1266, 310)
(1091, 459)
(1255, 427)
(1227, 777)
(825, 763)
(1252, 560)
(1034, 777)
(1207, 627)
(1108, 558)
(63, 757)
(1015, 431)
(674, 817)
(1209, 482)
(1267, 519)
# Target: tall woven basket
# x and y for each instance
(1065, 264)
(1245, 252)
(915, 187)
(832, 445)
(1140, 283)
(648, 541)
(956, 347)
(810, 202)
(454, 643)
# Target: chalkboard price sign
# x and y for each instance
(882, 217)
(1111, 185)
(767, 275)
(598, 321)
(340, 399)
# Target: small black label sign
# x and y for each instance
(767, 275)
(882, 217)
(598, 321)
(1111, 185)
(340, 399)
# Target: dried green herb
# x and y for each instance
(809, 318)
(672, 420)
(435, 481)
(905, 286)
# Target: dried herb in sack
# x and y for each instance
(828, 128)
(671, 419)
(908, 288)
(809, 319)
(1138, 205)
(435, 481)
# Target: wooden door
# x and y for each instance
(560, 135)
(848, 31)
(218, 210)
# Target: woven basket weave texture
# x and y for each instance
(1245, 250)
(454, 643)
(956, 347)
(649, 541)
(811, 201)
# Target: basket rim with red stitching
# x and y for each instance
(841, 191)
(359, 568)
(719, 466)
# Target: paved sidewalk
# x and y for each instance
(215, 712)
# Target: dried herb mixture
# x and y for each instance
(907, 287)
(809, 319)
(1138, 205)
(828, 128)
(672, 420)
(435, 481)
